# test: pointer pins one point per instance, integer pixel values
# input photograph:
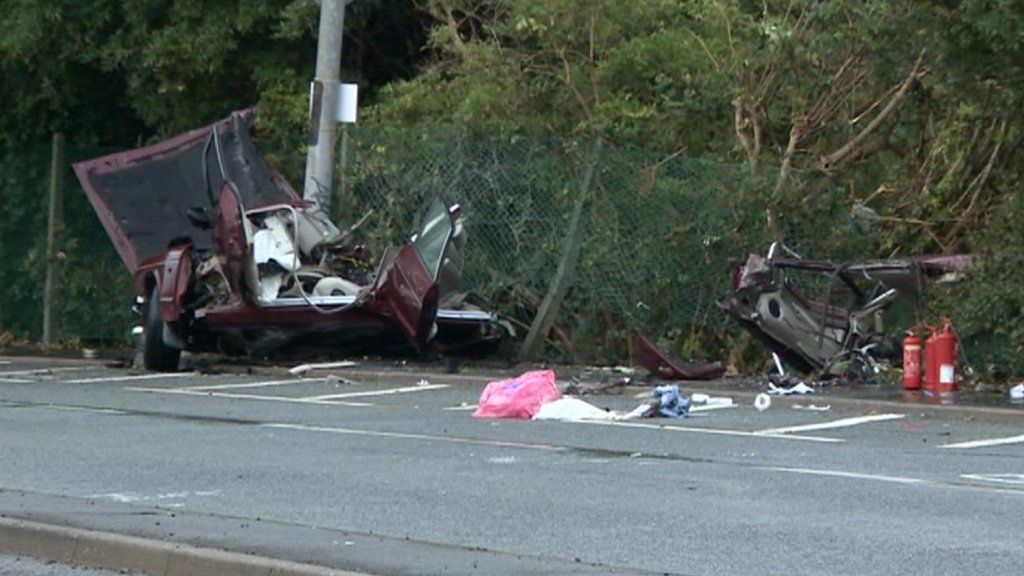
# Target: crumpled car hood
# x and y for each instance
(143, 196)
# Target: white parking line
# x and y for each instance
(427, 437)
(1014, 479)
(844, 474)
(388, 392)
(907, 480)
(333, 399)
(203, 393)
(718, 431)
(843, 423)
(256, 384)
(132, 378)
(46, 370)
(86, 409)
(986, 443)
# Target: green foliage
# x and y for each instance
(988, 307)
(94, 292)
(849, 129)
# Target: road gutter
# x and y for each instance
(108, 551)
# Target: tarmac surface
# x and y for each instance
(380, 469)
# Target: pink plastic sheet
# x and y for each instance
(519, 397)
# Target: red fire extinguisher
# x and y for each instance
(931, 369)
(940, 359)
(912, 361)
(945, 349)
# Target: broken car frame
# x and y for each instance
(841, 333)
(226, 257)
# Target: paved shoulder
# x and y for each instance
(156, 541)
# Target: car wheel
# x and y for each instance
(157, 355)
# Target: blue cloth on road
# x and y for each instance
(673, 404)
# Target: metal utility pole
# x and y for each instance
(323, 104)
(55, 223)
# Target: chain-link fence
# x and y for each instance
(656, 238)
(93, 290)
(652, 249)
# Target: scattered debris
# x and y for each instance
(799, 388)
(335, 380)
(605, 381)
(423, 382)
(303, 368)
(648, 355)
(812, 407)
(518, 398)
(1017, 393)
(762, 402)
(671, 404)
(838, 330)
(702, 402)
(569, 408)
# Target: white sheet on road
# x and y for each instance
(569, 408)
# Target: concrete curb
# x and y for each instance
(104, 550)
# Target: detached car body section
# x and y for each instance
(827, 316)
(227, 257)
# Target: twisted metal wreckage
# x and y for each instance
(841, 333)
(226, 257)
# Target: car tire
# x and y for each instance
(157, 355)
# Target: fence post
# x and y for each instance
(548, 309)
(341, 205)
(54, 224)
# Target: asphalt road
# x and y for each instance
(387, 470)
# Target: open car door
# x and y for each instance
(406, 285)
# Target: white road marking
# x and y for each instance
(86, 409)
(1015, 479)
(986, 443)
(131, 378)
(465, 408)
(905, 480)
(187, 392)
(256, 384)
(332, 399)
(843, 423)
(43, 371)
(387, 392)
(4, 362)
(16, 381)
(426, 437)
(132, 497)
(717, 431)
(845, 474)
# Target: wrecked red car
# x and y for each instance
(827, 316)
(227, 258)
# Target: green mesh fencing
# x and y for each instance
(658, 236)
(93, 290)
